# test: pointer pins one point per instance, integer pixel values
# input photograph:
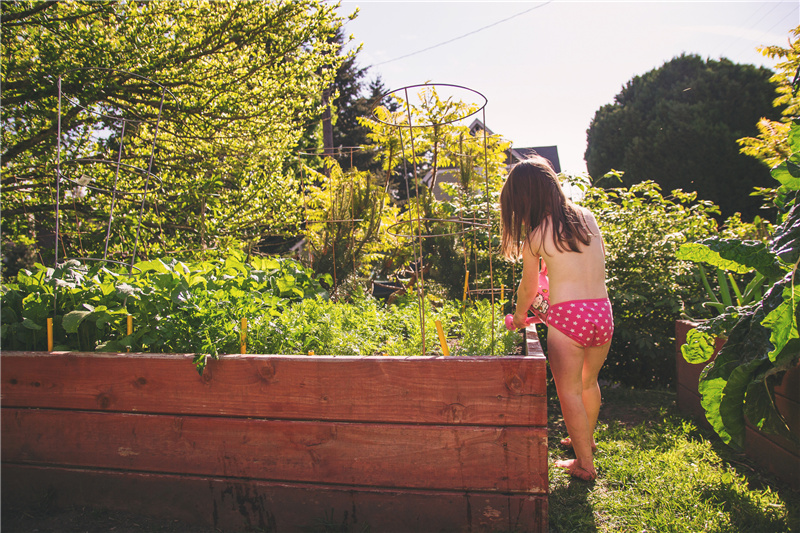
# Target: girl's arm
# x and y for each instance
(528, 285)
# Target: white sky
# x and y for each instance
(546, 72)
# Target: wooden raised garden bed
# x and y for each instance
(282, 442)
(778, 455)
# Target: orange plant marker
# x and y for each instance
(442, 339)
(130, 327)
(243, 336)
(49, 334)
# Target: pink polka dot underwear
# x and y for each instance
(587, 322)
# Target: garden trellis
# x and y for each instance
(87, 158)
(405, 123)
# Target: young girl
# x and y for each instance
(539, 222)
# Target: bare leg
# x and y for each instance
(575, 371)
(593, 360)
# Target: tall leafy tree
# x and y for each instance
(228, 87)
(772, 144)
(678, 125)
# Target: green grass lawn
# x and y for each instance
(659, 472)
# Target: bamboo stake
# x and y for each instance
(49, 334)
(442, 339)
(466, 286)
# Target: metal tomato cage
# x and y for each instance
(123, 181)
(405, 124)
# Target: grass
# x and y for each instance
(660, 472)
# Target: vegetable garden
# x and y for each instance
(410, 407)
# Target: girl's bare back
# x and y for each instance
(573, 276)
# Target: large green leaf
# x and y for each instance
(759, 407)
(699, 346)
(786, 241)
(73, 319)
(27, 323)
(732, 401)
(734, 255)
(711, 391)
(788, 172)
(782, 321)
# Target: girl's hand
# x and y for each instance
(520, 321)
(511, 324)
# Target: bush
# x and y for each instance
(649, 288)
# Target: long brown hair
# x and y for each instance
(530, 195)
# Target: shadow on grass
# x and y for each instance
(659, 471)
(742, 510)
(569, 509)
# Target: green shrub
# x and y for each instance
(649, 288)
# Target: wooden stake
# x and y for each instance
(243, 336)
(466, 286)
(49, 334)
(442, 339)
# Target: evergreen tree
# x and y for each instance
(678, 125)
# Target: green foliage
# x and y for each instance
(345, 213)
(198, 307)
(364, 326)
(243, 78)
(762, 338)
(678, 125)
(771, 146)
(649, 289)
(458, 177)
(176, 306)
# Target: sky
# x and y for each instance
(546, 67)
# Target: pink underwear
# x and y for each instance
(588, 322)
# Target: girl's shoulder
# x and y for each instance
(584, 212)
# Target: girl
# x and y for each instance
(539, 222)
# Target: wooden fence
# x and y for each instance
(282, 443)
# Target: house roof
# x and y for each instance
(516, 155)
(548, 152)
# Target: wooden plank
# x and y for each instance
(778, 455)
(257, 505)
(472, 458)
(507, 391)
(533, 347)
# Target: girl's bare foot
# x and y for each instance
(568, 443)
(571, 465)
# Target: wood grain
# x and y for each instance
(465, 458)
(507, 391)
(254, 505)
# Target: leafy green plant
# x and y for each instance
(198, 307)
(762, 338)
(175, 306)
